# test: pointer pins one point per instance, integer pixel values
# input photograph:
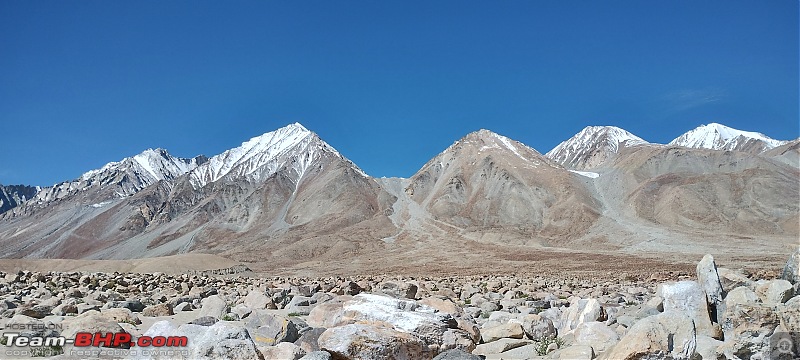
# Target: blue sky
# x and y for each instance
(388, 83)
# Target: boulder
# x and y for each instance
(457, 339)
(406, 316)
(731, 279)
(64, 309)
(317, 355)
(308, 340)
(268, 329)
(580, 311)
(121, 315)
(35, 311)
(708, 278)
(670, 334)
(299, 305)
(363, 341)
(398, 289)
(164, 309)
(537, 327)
(791, 271)
(132, 305)
(213, 306)
(790, 316)
(574, 352)
(688, 298)
(707, 347)
(775, 291)
(204, 321)
(456, 354)
(219, 341)
(512, 330)
(747, 329)
(740, 295)
(595, 334)
(499, 346)
(91, 321)
(328, 314)
(284, 351)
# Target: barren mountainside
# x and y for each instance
(288, 200)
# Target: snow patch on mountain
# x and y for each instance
(588, 174)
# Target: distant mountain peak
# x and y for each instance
(716, 136)
(263, 155)
(592, 146)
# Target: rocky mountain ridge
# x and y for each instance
(288, 200)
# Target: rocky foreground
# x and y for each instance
(716, 313)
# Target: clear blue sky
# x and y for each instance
(388, 83)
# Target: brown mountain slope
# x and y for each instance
(709, 191)
(488, 183)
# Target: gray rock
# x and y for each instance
(269, 329)
(580, 311)
(308, 339)
(790, 316)
(299, 305)
(488, 307)
(596, 335)
(65, 309)
(741, 295)
(499, 346)
(406, 316)
(708, 278)
(537, 327)
(731, 279)
(204, 321)
(791, 271)
(241, 311)
(512, 330)
(90, 321)
(219, 341)
(362, 341)
(747, 328)
(457, 339)
(775, 291)
(688, 298)
(398, 289)
(214, 306)
(317, 355)
(35, 311)
(164, 309)
(574, 352)
(121, 315)
(707, 347)
(257, 300)
(82, 308)
(283, 351)
(456, 354)
(670, 334)
(184, 306)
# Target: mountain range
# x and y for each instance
(288, 200)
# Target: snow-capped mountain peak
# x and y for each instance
(121, 178)
(258, 158)
(152, 164)
(592, 146)
(720, 137)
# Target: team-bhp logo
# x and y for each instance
(26, 345)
